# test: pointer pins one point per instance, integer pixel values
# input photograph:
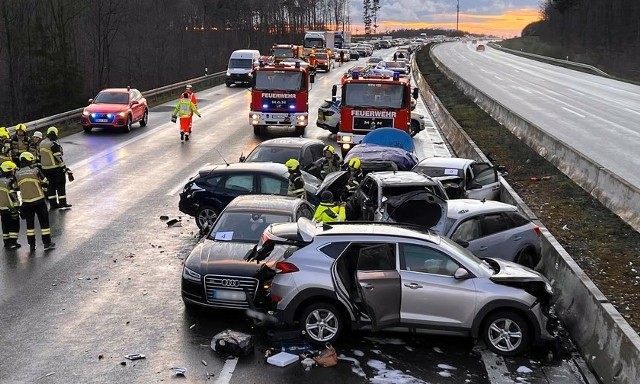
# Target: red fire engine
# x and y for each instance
(280, 96)
(286, 51)
(370, 101)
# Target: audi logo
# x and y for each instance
(228, 282)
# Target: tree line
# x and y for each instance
(605, 31)
(55, 54)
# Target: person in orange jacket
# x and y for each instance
(194, 100)
(185, 110)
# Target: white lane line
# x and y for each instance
(496, 368)
(574, 91)
(574, 112)
(224, 377)
(525, 90)
(498, 77)
(632, 111)
(179, 186)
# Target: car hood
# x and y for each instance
(508, 271)
(226, 258)
(113, 108)
(433, 210)
(334, 182)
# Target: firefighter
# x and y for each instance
(54, 170)
(19, 142)
(312, 57)
(341, 56)
(194, 100)
(296, 181)
(34, 146)
(328, 211)
(31, 182)
(329, 163)
(9, 205)
(5, 145)
(355, 175)
(185, 110)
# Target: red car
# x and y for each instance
(115, 108)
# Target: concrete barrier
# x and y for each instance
(610, 346)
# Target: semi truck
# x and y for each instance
(280, 96)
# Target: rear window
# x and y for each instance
(333, 250)
(440, 171)
(517, 219)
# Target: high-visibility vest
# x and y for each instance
(185, 108)
(296, 186)
(8, 198)
(30, 184)
(329, 213)
(48, 158)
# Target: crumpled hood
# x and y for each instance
(508, 271)
(226, 258)
(419, 208)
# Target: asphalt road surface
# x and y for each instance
(112, 285)
(595, 115)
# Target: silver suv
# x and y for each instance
(391, 277)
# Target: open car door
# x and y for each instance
(485, 183)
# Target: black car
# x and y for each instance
(215, 275)
(354, 55)
(206, 194)
(279, 150)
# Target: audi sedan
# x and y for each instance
(117, 108)
(215, 275)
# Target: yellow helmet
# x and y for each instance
(328, 148)
(28, 156)
(52, 130)
(8, 166)
(354, 163)
(292, 164)
(21, 127)
(4, 133)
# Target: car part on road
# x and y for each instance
(179, 371)
(282, 359)
(135, 356)
(233, 343)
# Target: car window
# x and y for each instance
(211, 181)
(486, 177)
(333, 250)
(272, 186)
(366, 186)
(244, 226)
(305, 211)
(112, 98)
(423, 259)
(242, 183)
(493, 223)
(316, 150)
(307, 156)
(468, 230)
(517, 219)
(376, 257)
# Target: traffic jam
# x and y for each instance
(312, 241)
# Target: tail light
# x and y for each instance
(285, 267)
(537, 230)
(276, 298)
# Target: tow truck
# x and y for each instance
(372, 100)
(280, 96)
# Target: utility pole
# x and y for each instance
(458, 16)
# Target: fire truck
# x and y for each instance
(280, 96)
(284, 51)
(372, 100)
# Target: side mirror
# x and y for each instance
(135, 102)
(415, 92)
(462, 243)
(461, 274)
(242, 158)
(90, 101)
(501, 169)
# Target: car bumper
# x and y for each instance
(238, 78)
(548, 322)
(187, 206)
(297, 119)
(196, 293)
(118, 122)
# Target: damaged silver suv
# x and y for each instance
(380, 276)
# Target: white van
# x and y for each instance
(241, 65)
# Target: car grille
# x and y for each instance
(369, 123)
(102, 117)
(226, 283)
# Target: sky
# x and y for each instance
(504, 18)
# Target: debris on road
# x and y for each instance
(203, 362)
(179, 371)
(49, 374)
(523, 369)
(438, 350)
(174, 223)
(192, 326)
(135, 356)
(233, 343)
(282, 359)
(123, 363)
(164, 217)
(100, 356)
(307, 363)
(328, 357)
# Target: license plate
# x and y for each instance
(219, 294)
(238, 82)
(102, 120)
(279, 117)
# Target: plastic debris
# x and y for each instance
(123, 363)
(100, 356)
(308, 363)
(282, 359)
(179, 371)
(174, 223)
(203, 362)
(233, 343)
(328, 357)
(49, 374)
(164, 217)
(135, 356)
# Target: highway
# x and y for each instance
(599, 117)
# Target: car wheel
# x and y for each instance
(528, 257)
(506, 333)
(206, 216)
(321, 323)
(415, 128)
(257, 130)
(87, 129)
(300, 131)
(127, 127)
(228, 85)
(145, 118)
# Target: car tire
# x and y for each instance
(300, 131)
(321, 323)
(516, 339)
(228, 84)
(205, 215)
(87, 129)
(414, 128)
(145, 118)
(528, 257)
(258, 129)
(127, 127)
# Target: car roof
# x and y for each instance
(401, 178)
(451, 162)
(376, 229)
(461, 208)
(117, 90)
(289, 142)
(273, 168)
(270, 203)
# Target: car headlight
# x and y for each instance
(228, 74)
(302, 117)
(85, 113)
(191, 275)
(548, 288)
(122, 114)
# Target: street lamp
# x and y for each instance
(457, 15)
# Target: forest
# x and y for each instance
(601, 32)
(56, 54)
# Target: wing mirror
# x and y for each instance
(90, 101)
(461, 274)
(242, 158)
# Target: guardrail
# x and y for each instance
(610, 346)
(549, 59)
(154, 97)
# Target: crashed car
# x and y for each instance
(378, 276)
(214, 274)
(463, 178)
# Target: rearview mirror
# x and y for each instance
(461, 274)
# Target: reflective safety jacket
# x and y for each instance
(5, 150)
(51, 154)
(19, 144)
(328, 166)
(30, 181)
(296, 185)
(8, 193)
(193, 98)
(329, 213)
(185, 108)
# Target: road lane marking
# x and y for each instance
(632, 111)
(574, 91)
(496, 368)
(179, 186)
(498, 77)
(572, 111)
(224, 377)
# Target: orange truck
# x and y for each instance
(370, 101)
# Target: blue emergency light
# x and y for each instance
(297, 63)
(355, 75)
(396, 75)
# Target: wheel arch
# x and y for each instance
(505, 305)
(312, 296)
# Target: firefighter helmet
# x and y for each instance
(4, 133)
(354, 163)
(21, 127)
(52, 130)
(28, 156)
(292, 164)
(8, 166)
(328, 148)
